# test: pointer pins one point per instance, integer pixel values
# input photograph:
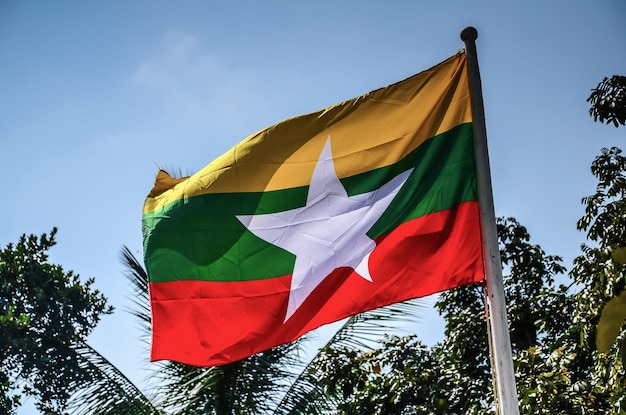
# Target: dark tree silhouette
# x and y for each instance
(608, 101)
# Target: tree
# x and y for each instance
(606, 206)
(608, 101)
(600, 271)
(601, 274)
(45, 314)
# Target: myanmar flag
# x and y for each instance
(363, 204)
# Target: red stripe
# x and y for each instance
(208, 323)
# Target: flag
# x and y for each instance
(363, 204)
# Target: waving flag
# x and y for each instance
(363, 204)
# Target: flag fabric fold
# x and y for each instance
(363, 204)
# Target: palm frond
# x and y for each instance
(363, 331)
(110, 392)
(249, 386)
(138, 277)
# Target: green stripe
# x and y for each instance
(200, 238)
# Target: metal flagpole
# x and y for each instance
(505, 389)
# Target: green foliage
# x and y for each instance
(546, 384)
(601, 277)
(599, 271)
(399, 377)
(44, 313)
(464, 354)
(608, 101)
(108, 392)
(249, 386)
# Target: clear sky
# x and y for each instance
(95, 95)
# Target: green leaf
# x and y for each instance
(611, 322)
(619, 255)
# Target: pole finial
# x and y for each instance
(469, 33)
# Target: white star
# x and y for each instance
(328, 232)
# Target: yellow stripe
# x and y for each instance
(374, 130)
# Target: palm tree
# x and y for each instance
(109, 392)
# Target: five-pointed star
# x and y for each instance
(328, 232)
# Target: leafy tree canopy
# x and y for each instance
(45, 312)
(599, 272)
(608, 101)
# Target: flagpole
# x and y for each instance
(504, 375)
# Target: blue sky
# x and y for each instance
(95, 95)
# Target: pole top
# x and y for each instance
(469, 33)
